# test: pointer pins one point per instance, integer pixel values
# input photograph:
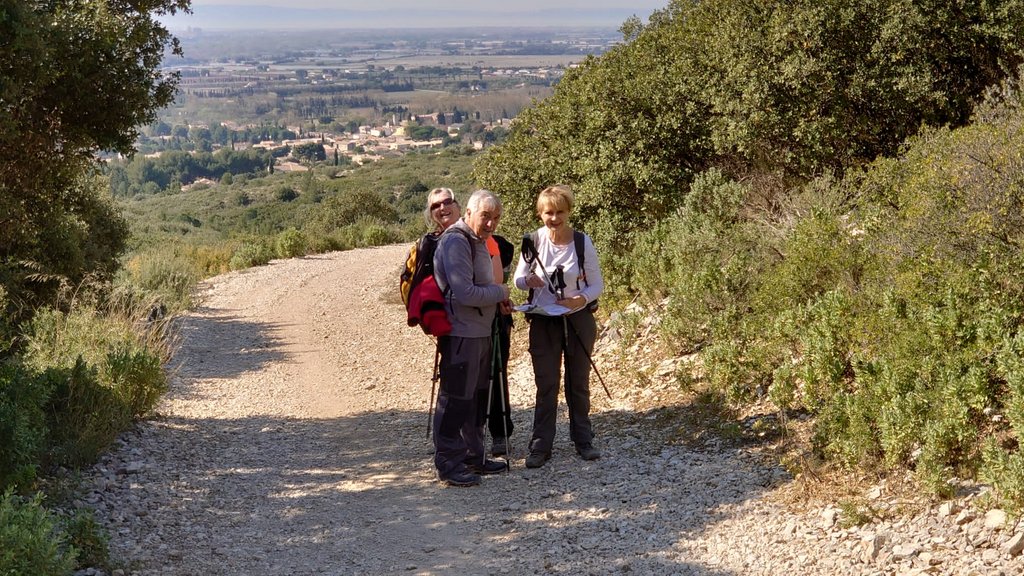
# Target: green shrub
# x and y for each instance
(318, 244)
(1004, 470)
(378, 235)
(137, 377)
(290, 244)
(85, 416)
(286, 194)
(167, 273)
(104, 371)
(251, 253)
(705, 260)
(23, 428)
(88, 538)
(31, 543)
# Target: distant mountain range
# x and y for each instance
(266, 17)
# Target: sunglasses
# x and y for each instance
(445, 202)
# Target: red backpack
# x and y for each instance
(425, 303)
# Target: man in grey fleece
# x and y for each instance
(462, 269)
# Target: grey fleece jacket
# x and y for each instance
(471, 296)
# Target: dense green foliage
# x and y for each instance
(76, 79)
(173, 169)
(747, 166)
(76, 364)
(769, 92)
(31, 541)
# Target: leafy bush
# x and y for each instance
(23, 429)
(286, 194)
(378, 235)
(103, 372)
(938, 313)
(167, 273)
(88, 538)
(85, 417)
(290, 244)
(31, 542)
(704, 260)
(251, 253)
(137, 378)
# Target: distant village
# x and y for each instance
(369, 144)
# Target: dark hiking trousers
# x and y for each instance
(461, 402)
(549, 342)
(499, 374)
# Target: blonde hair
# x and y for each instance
(427, 217)
(558, 197)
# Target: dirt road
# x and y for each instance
(293, 442)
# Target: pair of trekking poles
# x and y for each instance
(496, 366)
(556, 284)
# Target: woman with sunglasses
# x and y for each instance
(442, 210)
(553, 274)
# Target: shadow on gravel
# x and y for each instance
(357, 495)
(228, 347)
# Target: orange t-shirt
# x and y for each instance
(495, 252)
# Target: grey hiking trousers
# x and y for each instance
(461, 403)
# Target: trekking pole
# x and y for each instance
(506, 412)
(560, 293)
(496, 355)
(589, 357)
(530, 255)
(433, 384)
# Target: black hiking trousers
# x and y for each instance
(552, 340)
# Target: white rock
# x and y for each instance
(995, 519)
(1015, 545)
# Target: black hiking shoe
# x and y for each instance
(489, 467)
(587, 451)
(461, 479)
(499, 446)
(536, 459)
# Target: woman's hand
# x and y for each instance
(574, 303)
(534, 281)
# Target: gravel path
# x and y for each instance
(293, 442)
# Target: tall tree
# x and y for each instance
(76, 78)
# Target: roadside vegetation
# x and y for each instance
(81, 357)
(823, 201)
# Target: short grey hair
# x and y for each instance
(483, 200)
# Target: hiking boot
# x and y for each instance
(536, 459)
(461, 479)
(489, 467)
(587, 451)
(499, 446)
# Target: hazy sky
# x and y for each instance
(215, 14)
(640, 6)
